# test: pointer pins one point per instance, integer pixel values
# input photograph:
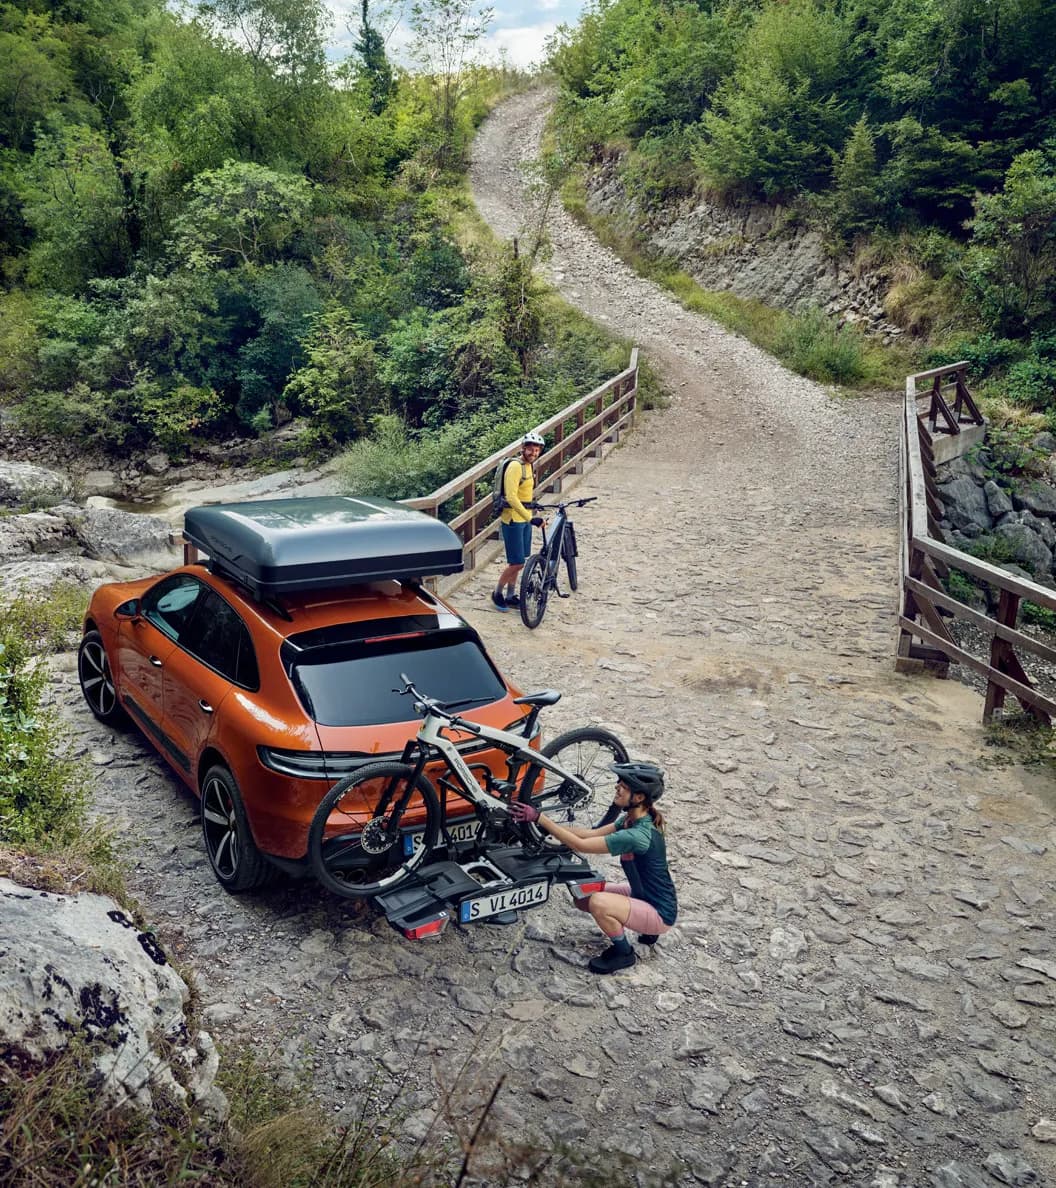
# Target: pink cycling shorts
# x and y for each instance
(644, 917)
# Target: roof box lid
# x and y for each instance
(282, 546)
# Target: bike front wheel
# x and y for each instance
(373, 829)
(588, 753)
(533, 590)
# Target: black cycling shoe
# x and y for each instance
(611, 960)
(648, 938)
(513, 600)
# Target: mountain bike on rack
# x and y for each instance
(539, 575)
(374, 828)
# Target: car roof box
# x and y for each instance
(283, 546)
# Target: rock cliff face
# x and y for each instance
(750, 249)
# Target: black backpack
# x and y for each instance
(499, 502)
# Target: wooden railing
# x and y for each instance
(925, 560)
(580, 432)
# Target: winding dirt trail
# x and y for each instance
(861, 988)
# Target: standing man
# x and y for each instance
(518, 489)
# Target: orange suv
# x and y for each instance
(268, 671)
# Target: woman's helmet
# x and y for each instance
(645, 778)
(533, 438)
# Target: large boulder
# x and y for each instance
(965, 505)
(1036, 497)
(24, 485)
(76, 965)
(107, 534)
(1026, 547)
(34, 534)
(998, 501)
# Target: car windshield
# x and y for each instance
(354, 685)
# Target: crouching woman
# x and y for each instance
(646, 903)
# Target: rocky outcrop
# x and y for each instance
(1012, 525)
(24, 485)
(753, 250)
(75, 965)
(79, 545)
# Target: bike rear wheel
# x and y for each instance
(373, 829)
(568, 548)
(586, 752)
(534, 591)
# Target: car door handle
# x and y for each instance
(155, 661)
(204, 706)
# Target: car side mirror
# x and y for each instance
(127, 610)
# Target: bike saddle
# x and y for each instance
(546, 697)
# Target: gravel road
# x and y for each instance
(861, 989)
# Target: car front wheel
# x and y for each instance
(233, 854)
(97, 681)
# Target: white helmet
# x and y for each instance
(533, 438)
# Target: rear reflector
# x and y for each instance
(580, 889)
(429, 928)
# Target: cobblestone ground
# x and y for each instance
(861, 988)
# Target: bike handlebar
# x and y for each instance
(429, 705)
(567, 503)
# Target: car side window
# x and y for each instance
(170, 604)
(219, 638)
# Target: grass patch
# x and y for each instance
(47, 623)
(1018, 738)
(56, 1131)
(812, 343)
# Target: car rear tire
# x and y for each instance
(356, 846)
(232, 852)
(97, 680)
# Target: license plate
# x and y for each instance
(509, 900)
(460, 831)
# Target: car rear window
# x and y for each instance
(353, 684)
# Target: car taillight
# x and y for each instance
(313, 765)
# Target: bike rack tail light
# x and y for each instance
(431, 927)
(583, 890)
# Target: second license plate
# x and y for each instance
(460, 831)
(509, 900)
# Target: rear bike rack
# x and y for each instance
(425, 904)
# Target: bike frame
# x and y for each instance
(430, 740)
(553, 544)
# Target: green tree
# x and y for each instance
(1011, 261)
(777, 121)
(337, 388)
(520, 316)
(74, 203)
(445, 33)
(370, 45)
(855, 200)
(35, 76)
(241, 213)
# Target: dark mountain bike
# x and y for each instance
(539, 575)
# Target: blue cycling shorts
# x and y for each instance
(517, 537)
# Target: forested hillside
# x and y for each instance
(207, 227)
(921, 133)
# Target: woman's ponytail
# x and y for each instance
(657, 815)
